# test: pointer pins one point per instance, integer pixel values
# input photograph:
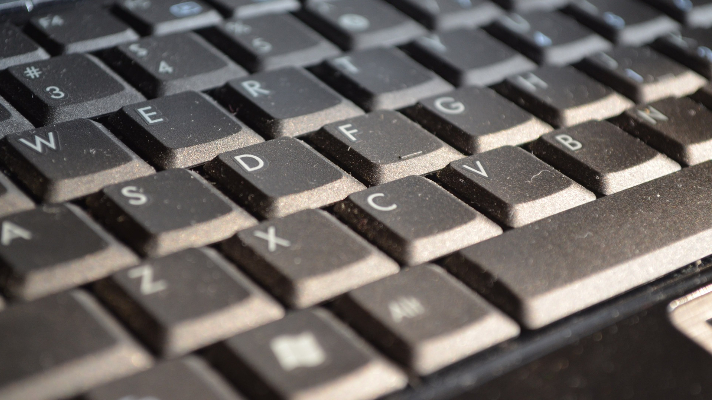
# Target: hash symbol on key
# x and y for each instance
(295, 351)
(272, 239)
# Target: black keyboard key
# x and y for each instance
(466, 57)
(185, 301)
(182, 130)
(167, 212)
(697, 13)
(414, 220)
(691, 47)
(513, 186)
(424, 318)
(676, 127)
(593, 252)
(66, 88)
(285, 102)
(631, 22)
(11, 121)
(307, 355)
(16, 48)
(563, 96)
(381, 78)
(12, 200)
(253, 8)
(186, 379)
(164, 65)
(548, 37)
(270, 42)
(69, 160)
(475, 120)
(383, 146)
(83, 30)
(160, 17)
(641, 74)
(449, 14)
(360, 24)
(61, 346)
(281, 177)
(531, 5)
(54, 248)
(315, 257)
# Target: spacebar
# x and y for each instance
(555, 267)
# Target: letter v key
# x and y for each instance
(480, 170)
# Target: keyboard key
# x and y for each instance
(285, 102)
(159, 66)
(593, 252)
(513, 186)
(315, 257)
(383, 146)
(449, 14)
(254, 8)
(16, 48)
(414, 220)
(475, 120)
(185, 379)
(281, 177)
(182, 130)
(692, 48)
(563, 96)
(530, 5)
(676, 127)
(77, 31)
(360, 24)
(307, 355)
(381, 78)
(12, 200)
(160, 17)
(424, 318)
(270, 42)
(467, 57)
(65, 88)
(642, 74)
(185, 301)
(54, 248)
(167, 212)
(11, 121)
(629, 23)
(69, 160)
(65, 344)
(548, 37)
(697, 14)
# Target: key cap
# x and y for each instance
(54, 248)
(187, 300)
(512, 186)
(467, 57)
(307, 258)
(285, 102)
(630, 23)
(185, 379)
(424, 318)
(383, 146)
(449, 14)
(69, 160)
(475, 120)
(16, 48)
(65, 88)
(182, 130)
(360, 24)
(270, 42)
(593, 252)
(563, 96)
(159, 66)
(529, 5)
(381, 78)
(306, 355)
(697, 14)
(160, 17)
(254, 8)
(65, 344)
(83, 30)
(642, 74)
(547, 37)
(602, 157)
(676, 127)
(12, 200)
(691, 47)
(414, 220)
(11, 121)
(167, 212)
(280, 177)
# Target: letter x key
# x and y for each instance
(272, 239)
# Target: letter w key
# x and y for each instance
(51, 142)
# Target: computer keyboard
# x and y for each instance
(355, 199)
